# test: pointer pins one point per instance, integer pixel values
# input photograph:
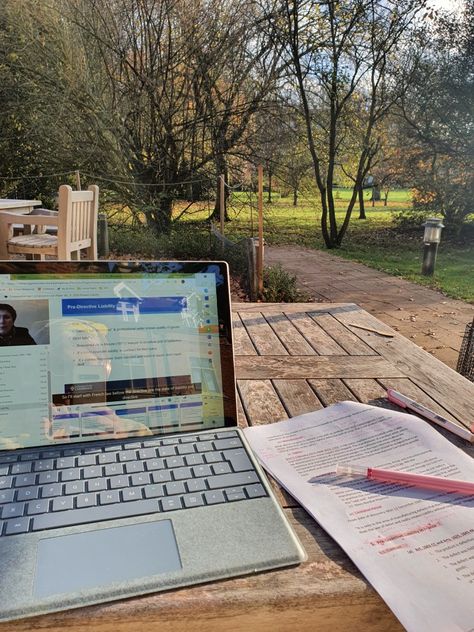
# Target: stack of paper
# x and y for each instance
(415, 546)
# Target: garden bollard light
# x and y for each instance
(431, 239)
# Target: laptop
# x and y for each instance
(122, 470)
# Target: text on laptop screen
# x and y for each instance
(96, 356)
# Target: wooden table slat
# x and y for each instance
(262, 335)
(305, 367)
(297, 396)
(350, 342)
(321, 342)
(331, 391)
(242, 343)
(261, 403)
(367, 391)
(289, 335)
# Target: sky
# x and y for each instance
(449, 5)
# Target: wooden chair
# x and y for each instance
(76, 223)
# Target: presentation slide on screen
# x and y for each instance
(139, 359)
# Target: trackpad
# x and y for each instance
(81, 561)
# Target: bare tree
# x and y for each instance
(343, 55)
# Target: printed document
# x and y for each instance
(415, 546)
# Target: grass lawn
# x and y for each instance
(375, 241)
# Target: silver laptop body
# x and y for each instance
(122, 470)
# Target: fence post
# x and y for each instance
(103, 236)
(252, 267)
(260, 231)
(78, 180)
(222, 201)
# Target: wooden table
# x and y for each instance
(22, 207)
(16, 207)
(292, 359)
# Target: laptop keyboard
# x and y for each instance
(47, 489)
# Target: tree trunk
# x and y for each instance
(361, 203)
(375, 195)
(269, 197)
(221, 165)
(295, 196)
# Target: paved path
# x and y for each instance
(433, 321)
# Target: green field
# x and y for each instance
(374, 241)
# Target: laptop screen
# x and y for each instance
(93, 351)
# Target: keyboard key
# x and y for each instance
(201, 470)
(174, 461)
(235, 493)
(86, 500)
(238, 459)
(181, 473)
(221, 468)
(18, 525)
(186, 448)
(43, 465)
(232, 480)
(213, 457)
(25, 480)
(193, 500)
(49, 491)
(86, 459)
(176, 487)
(95, 514)
(27, 493)
(225, 444)
(6, 496)
(75, 487)
(4, 469)
(38, 507)
(161, 476)
(20, 468)
(204, 446)
(194, 459)
(63, 503)
(196, 485)
(147, 453)
(65, 462)
(14, 510)
(255, 491)
(141, 479)
(106, 457)
(72, 474)
(168, 504)
(155, 464)
(132, 493)
(167, 450)
(226, 433)
(127, 455)
(134, 466)
(113, 468)
(109, 497)
(154, 491)
(48, 477)
(9, 458)
(119, 481)
(213, 498)
(93, 471)
(96, 485)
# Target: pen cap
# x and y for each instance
(351, 470)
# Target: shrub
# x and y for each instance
(279, 286)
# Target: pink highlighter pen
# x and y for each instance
(438, 483)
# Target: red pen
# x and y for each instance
(407, 478)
